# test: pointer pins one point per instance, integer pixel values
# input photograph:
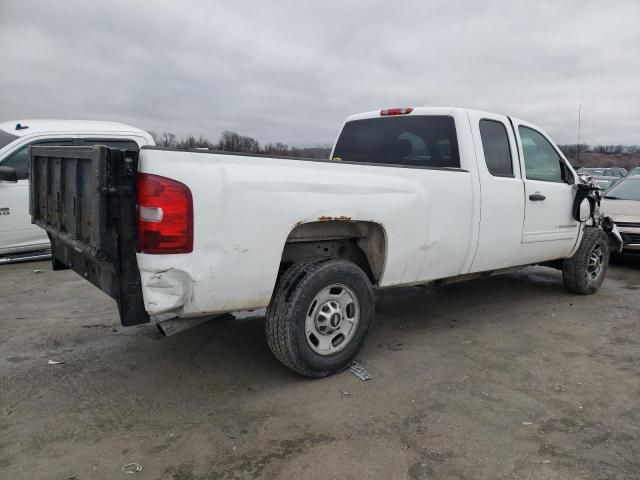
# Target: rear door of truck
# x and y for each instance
(85, 198)
(502, 192)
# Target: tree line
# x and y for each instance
(573, 149)
(230, 141)
(583, 155)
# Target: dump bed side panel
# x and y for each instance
(84, 197)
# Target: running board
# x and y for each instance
(25, 257)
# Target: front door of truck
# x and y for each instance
(550, 231)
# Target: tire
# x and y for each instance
(319, 316)
(585, 271)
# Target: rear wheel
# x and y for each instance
(320, 315)
(585, 271)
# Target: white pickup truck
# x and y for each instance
(19, 239)
(409, 196)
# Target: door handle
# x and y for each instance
(537, 197)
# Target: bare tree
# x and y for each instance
(233, 142)
(277, 149)
(166, 139)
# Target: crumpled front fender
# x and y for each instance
(615, 239)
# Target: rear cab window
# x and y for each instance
(427, 141)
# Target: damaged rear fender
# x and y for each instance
(165, 291)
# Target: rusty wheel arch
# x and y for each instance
(362, 242)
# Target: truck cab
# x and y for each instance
(18, 236)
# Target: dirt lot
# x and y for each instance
(506, 378)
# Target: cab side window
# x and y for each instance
(495, 144)
(19, 160)
(541, 161)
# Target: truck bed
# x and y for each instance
(246, 209)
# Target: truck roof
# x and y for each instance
(56, 125)
(415, 111)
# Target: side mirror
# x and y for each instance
(585, 210)
(8, 174)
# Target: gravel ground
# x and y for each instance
(506, 378)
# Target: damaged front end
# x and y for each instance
(586, 209)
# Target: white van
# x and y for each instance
(17, 235)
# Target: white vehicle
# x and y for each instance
(409, 196)
(622, 203)
(17, 234)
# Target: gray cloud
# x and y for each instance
(291, 71)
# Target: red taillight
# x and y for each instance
(396, 111)
(165, 215)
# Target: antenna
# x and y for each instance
(579, 122)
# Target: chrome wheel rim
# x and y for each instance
(332, 319)
(595, 265)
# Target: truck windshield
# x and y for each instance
(417, 141)
(6, 138)
(628, 189)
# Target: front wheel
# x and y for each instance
(319, 316)
(585, 271)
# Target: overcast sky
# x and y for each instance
(291, 71)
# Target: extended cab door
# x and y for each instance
(550, 231)
(501, 192)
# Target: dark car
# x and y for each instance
(605, 183)
(618, 172)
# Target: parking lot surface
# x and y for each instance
(506, 378)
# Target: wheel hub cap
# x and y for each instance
(329, 317)
(332, 319)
